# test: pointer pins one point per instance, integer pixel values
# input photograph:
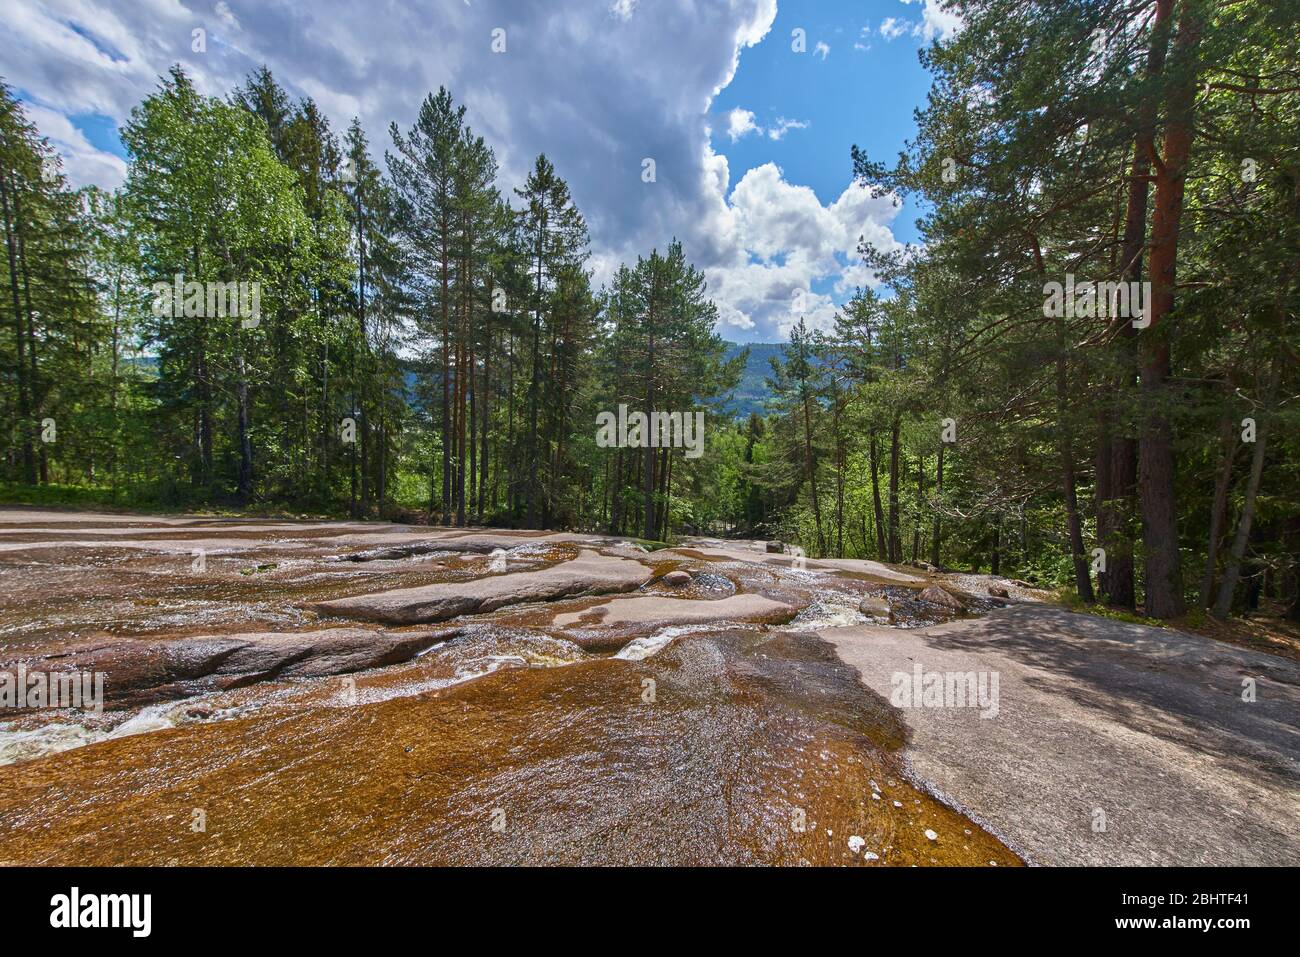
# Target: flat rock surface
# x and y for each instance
(740, 552)
(142, 672)
(688, 725)
(610, 625)
(1145, 725)
(757, 749)
(590, 573)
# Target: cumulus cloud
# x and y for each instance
(623, 8)
(741, 123)
(596, 85)
(782, 126)
(936, 21)
(82, 162)
(892, 28)
(774, 241)
(226, 15)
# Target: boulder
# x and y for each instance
(589, 574)
(677, 578)
(997, 592)
(876, 606)
(938, 596)
(778, 547)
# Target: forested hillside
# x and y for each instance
(404, 335)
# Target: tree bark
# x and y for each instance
(1164, 586)
(882, 548)
(1118, 451)
(895, 543)
(1232, 574)
(1219, 508)
(936, 540)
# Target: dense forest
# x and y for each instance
(1084, 374)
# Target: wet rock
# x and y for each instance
(709, 585)
(876, 606)
(480, 543)
(613, 624)
(677, 578)
(997, 592)
(776, 547)
(593, 774)
(938, 596)
(589, 574)
(865, 567)
(396, 552)
(144, 672)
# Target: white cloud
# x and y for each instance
(575, 83)
(936, 21)
(775, 240)
(782, 126)
(741, 123)
(822, 49)
(623, 8)
(892, 28)
(82, 162)
(227, 16)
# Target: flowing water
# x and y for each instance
(496, 738)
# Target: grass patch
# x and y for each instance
(1068, 597)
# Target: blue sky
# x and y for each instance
(863, 91)
(750, 137)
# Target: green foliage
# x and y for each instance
(430, 346)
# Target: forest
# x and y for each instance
(423, 342)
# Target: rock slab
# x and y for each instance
(590, 573)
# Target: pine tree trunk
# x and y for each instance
(938, 491)
(1117, 456)
(895, 546)
(882, 548)
(1231, 574)
(995, 558)
(446, 376)
(1074, 527)
(24, 396)
(1219, 508)
(245, 442)
(812, 470)
(1164, 587)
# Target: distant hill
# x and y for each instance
(750, 394)
(752, 390)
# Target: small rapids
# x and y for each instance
(639, 649)
(640, 740)
(482, 650)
